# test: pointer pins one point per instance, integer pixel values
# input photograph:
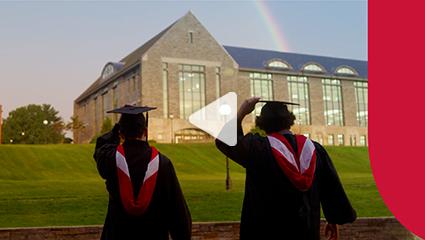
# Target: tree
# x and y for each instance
(75, 125)
(34, 124)
(106, 127)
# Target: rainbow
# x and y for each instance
(273, 27)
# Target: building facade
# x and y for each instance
(183, 69)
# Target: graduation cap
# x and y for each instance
(281, 102)
(272, 109)
(132, 117)
(275, 116)
(132, 110)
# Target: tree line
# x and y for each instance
(41, 124)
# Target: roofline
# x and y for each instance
(299, 73)
(311, 55)
(111, 79)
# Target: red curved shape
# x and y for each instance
(396, 108)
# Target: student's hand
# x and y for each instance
(331, 231)
(247, 107)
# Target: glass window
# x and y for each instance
(330, 139)
(191, 88)
(363, 140)
(115, 98)
(313, 68)
(100, 115)
(129, 92)
(138, 86)
(107, 102)
(108, 71)
(261, 86)
(332, 99)
(345, 70)
(340, 139)
(190, 37)
(97, 112)
(361, 100)
(133, 84)
(217, 82)
(278, 64)
(165, 89)
(299, 93)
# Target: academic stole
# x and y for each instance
(139, 205)
(298, 166)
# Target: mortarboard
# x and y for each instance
(272, 109)
(134, 114)
(284, 102)
(132, 110)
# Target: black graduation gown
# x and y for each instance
(273, 208)
(167, 213)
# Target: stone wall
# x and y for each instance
(363, 229)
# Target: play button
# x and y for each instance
(218, 118)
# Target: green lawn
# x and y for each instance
(44, 185)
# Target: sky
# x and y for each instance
(50, 52)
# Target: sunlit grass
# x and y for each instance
(44, 185)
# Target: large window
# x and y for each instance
(115, 98)
(192, 89)
(363, 140)
(361, 100)
(107, 103)
(98, 117)
(261, 86)
(165, 89)
(340, 139)
(332, 99)
(298, 93)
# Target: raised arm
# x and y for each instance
(104, 154)
(240, 152)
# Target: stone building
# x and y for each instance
(184, 68)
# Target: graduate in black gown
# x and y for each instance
(145, 199)
(288, 178)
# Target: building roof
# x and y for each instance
(245, 57)
(258, 59)
(128, 62)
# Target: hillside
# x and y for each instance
(58, 184)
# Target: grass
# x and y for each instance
(45, 185)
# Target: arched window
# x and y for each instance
(345, 71)
(313, 68)
(111, 68)
(108, 71)
(278, 64)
